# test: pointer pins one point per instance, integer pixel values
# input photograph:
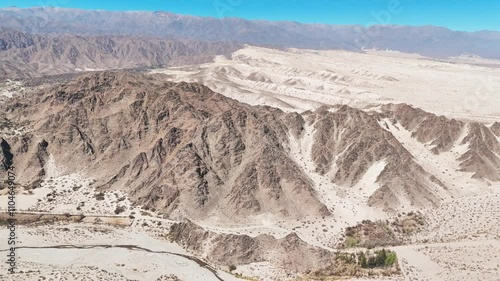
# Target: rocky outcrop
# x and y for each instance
(495, 128)
(348, 141)
(483, 155)
(180, 149)
(440, 132)
(290, 252)
(10, 39)
(30, 154)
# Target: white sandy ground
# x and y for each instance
(112, 263)
(298, 80)
(86, 69)
(72, 194)
(9, 89)
(456, 261)
(460, 242)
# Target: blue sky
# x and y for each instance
(466, 15)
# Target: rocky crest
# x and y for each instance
(180, 149)
(348, 141)
(438, 131)
(482, 156)
(12, 39)
(495, 128)
(408, 39)
(290, 252)
(185, 151)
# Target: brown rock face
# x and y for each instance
(483, 155)
(178, 148)
(495, 128)
(349, 141)
(10, 38)
(27, 154)
(439, 131)
(289, 253)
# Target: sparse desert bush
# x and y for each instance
(363, 263)
(383, 233)
(391, 259)
(370, 234)
(351, 242)
(99, 196)
(119, 209)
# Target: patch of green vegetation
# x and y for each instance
(380, 258)
(391, 258)
(381, 262)
(376, 259)
(369, 234)
(362, 261)
(351, 241)
(240, 276)
(348, 258)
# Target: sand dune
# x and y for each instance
(463, 89)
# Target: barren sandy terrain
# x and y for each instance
(100, 252)
(299, 80)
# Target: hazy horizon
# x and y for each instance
(454, 15)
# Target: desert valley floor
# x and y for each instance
(460, 236)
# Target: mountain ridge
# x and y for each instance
(24, 55)
(175, 143)
(431, 41)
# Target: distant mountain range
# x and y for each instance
(437, 42)
(24, 55)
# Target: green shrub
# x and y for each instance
(390, 259)
(351, 241)
(362, 259)
(381, 258)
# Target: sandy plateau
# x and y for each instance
(299, 80)
(107, 237)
